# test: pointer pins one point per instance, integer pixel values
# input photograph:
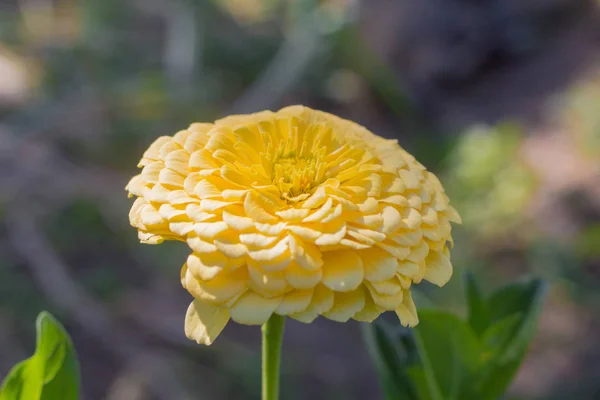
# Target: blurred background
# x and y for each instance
(501, 98)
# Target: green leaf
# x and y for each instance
(52, 373)
(522, 297)
(479, 313)
(386, 350)
(450, 355)
(515, 310)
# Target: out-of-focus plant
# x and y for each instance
(446, 357)
(582, 117)
(489, 181)
(52, 373)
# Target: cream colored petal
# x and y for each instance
(213, 205)
(370, 311)
(407, 238)
(438, 269)
(387, 301)
(208, 230)
(195, 213)
(407, 312)
(396, 199)
(370, 221)
(301, 278)
(432, 233)
(202, 159)
(316, 200)
(237, 222)
(409, 178)
(230, 248)
(204, 322)
(412, 219)
(206, 266)
(151, 172)
(369, 206)
(153, 152)
(178, 161)
(220, 289)
(304, 232)
(333, 215)
(294, 302)
(170, 179)
(430, 216)
(234, 195)
(342, 270)
(388, 288)
(391, 220)
(399, 252)
(293, 214)
(181, 228)
(378, 264)
(257, 241)
(271, 229)
(346, 305)
(418, 253)
(270, 253)
(408, 268)
(135, 186)
(273, 283)
(320, 213)
(276, 264)
(253, 309)
(327, 239)
(200, 246)
(306, 255)
(255, 210)
(453, 215)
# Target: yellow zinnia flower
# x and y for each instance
(295, 212)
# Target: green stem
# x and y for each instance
(272, 335)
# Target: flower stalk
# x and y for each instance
(272, 337)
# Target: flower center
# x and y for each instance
(296, 176)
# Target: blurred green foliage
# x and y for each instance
(52, 373)
(446, 357)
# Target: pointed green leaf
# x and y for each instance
(450, 354)
(515, 310)
(391, 361)
(52, 373)
(478, 310)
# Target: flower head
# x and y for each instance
(295, 212)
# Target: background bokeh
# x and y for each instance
(501, 98)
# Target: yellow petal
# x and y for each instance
(369, 312)
(223, 287)
(204, 322)
(253, 309)
(208, 230)
(301, 278)
(306, 255)
(378, 264)
(386, 301)
(418, 253)
(407, 312)
(271, 253)
(256, 210)
(271, 283)
(346, 304)
(237, 222)
(438, 269)
(206, 266)
(391, 220)
(294, 302)
(342, 270)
